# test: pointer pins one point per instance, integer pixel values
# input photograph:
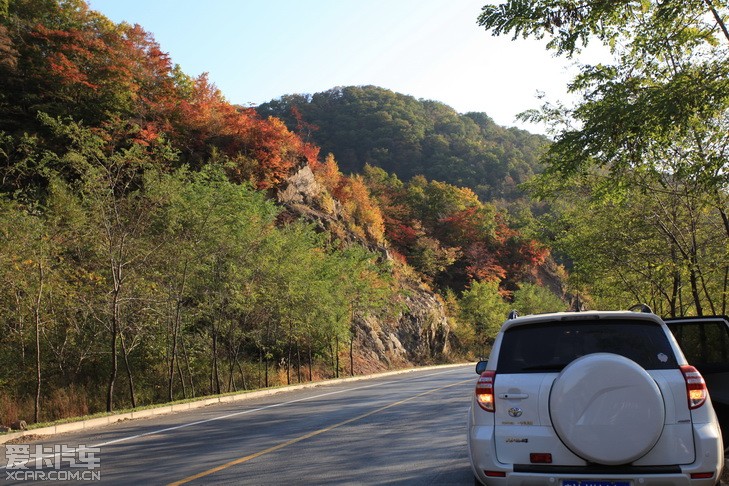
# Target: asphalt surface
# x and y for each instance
(402, 429)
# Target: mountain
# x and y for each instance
(407, 136)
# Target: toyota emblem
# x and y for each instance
(515, 412)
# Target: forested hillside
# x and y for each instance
(158, 242)
(449, 185)
(367, 125)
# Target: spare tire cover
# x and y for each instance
(607, 409)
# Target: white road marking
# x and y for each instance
(222, 417)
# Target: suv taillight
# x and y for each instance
(485, 390)
(695, 386)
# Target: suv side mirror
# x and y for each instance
(481, 366)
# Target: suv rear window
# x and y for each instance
(552, 346)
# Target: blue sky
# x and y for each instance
(258, 50)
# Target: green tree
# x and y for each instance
(119, 220)
(28, 256)
(653, 122)
(208, 236)
(483, 308)
(534, 299)
(41, 280)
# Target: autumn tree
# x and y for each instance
(141, 257)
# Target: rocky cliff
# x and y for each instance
(418, 334)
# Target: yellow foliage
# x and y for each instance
(327, 203)
(361, 208)
(327, 173)
(362, 214)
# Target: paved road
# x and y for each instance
(401, 429)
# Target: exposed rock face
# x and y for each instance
(300, 188)
(378, 345)
(552, 276)
(420, 334)
(423, 328)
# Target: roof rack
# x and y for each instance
(643, 308)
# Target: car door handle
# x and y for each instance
(513, 396)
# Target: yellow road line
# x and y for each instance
(242, 460)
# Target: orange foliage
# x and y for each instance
(361, 208)
(207, 119)
(117, 78)
(483, 263)
(401, 234)
(470, 224)
(73, 55)
(105, 69)
(327, 173)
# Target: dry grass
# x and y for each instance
(67, 402)
(12, 410)
(63, 403)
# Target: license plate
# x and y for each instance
(584, 482)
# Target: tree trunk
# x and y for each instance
(288, 366)
(187, 365)
(181, 376)
(173, 353)
(242, 374)
(114, 360)
(676, 289)
(690, 257)
(214, 375)
(175, 332)
(724, 293)
(700, 275)
(336, 354)
(718, 18)
(234, 352)
(695, 292)
(125, 355)
(351, 356)
(266, 378)
(298, 363)
(36, 412)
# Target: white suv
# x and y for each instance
(591, 399)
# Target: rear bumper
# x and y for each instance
(486, 466)
(520, 479)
